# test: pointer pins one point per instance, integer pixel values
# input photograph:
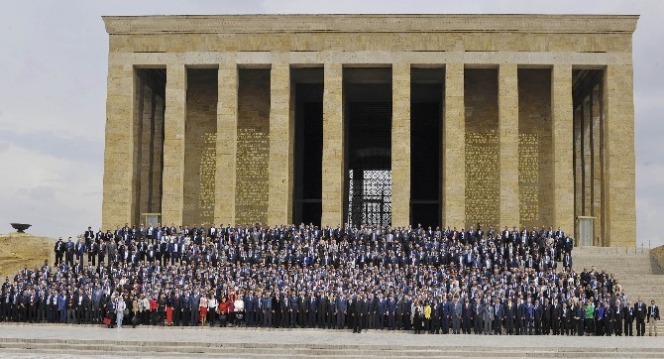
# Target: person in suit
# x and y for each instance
(341, 310)
(59, 250)
(609, 318)
(391, 312)
(578, 316)
(640, 316)
(418, 315)
(457, 311)
(653, 318)
(478, 312)
(447, 314)
(628, 319)
(510, 316)
(498, 315)
(542, 317)
(357, 313)
(194, 302)
(466, 316)
(487, 317)
(565, 316)
(618, 317)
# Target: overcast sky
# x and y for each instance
(53, 58)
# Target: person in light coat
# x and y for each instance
(119, 310)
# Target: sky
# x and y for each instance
(53, 66)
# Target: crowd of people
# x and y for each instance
(428, 280)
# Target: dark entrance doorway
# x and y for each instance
(307, 189)
(368, 113)
(425, 145)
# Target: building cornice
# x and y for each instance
(249, 24)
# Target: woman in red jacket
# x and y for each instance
(223, 314)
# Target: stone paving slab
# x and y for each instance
(284, 337)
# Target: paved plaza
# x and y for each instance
(272, 342)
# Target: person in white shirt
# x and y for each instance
(119, 310)
(213, 308)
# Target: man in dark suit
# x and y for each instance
(59, 251)
(498, 315)
(510, 316)
(653, 318)
(555, 317)
(357, 312)
(618, 317)
(640, 316)
(466, 316)
(565, 319)
(629, 318)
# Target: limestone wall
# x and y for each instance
(535, 155)
(200, 147)
(253, 148)
(482, 148)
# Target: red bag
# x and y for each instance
(107, 320)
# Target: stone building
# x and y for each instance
(523, 120)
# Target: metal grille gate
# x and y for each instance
(370, 197)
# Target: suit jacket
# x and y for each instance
(357, 308)
(640, 310)
(653, 311)
(629, 314)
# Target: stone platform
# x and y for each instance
(87, 341)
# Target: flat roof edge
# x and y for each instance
(369, 23)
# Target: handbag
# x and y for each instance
(126, 312)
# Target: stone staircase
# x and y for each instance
(437, 349)
(635, 269)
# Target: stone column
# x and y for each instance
(578, 168)
(586, 158)
(563, 169)
(333, 146)
(144, 148)
(596, 139)
(280, 191)
(400, 145)
(225, 178)
(454, 148)
(508, 120)
(618, 106)
(172, 202)
(119, 175)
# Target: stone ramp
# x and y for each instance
(95, 341)
(634, 268)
